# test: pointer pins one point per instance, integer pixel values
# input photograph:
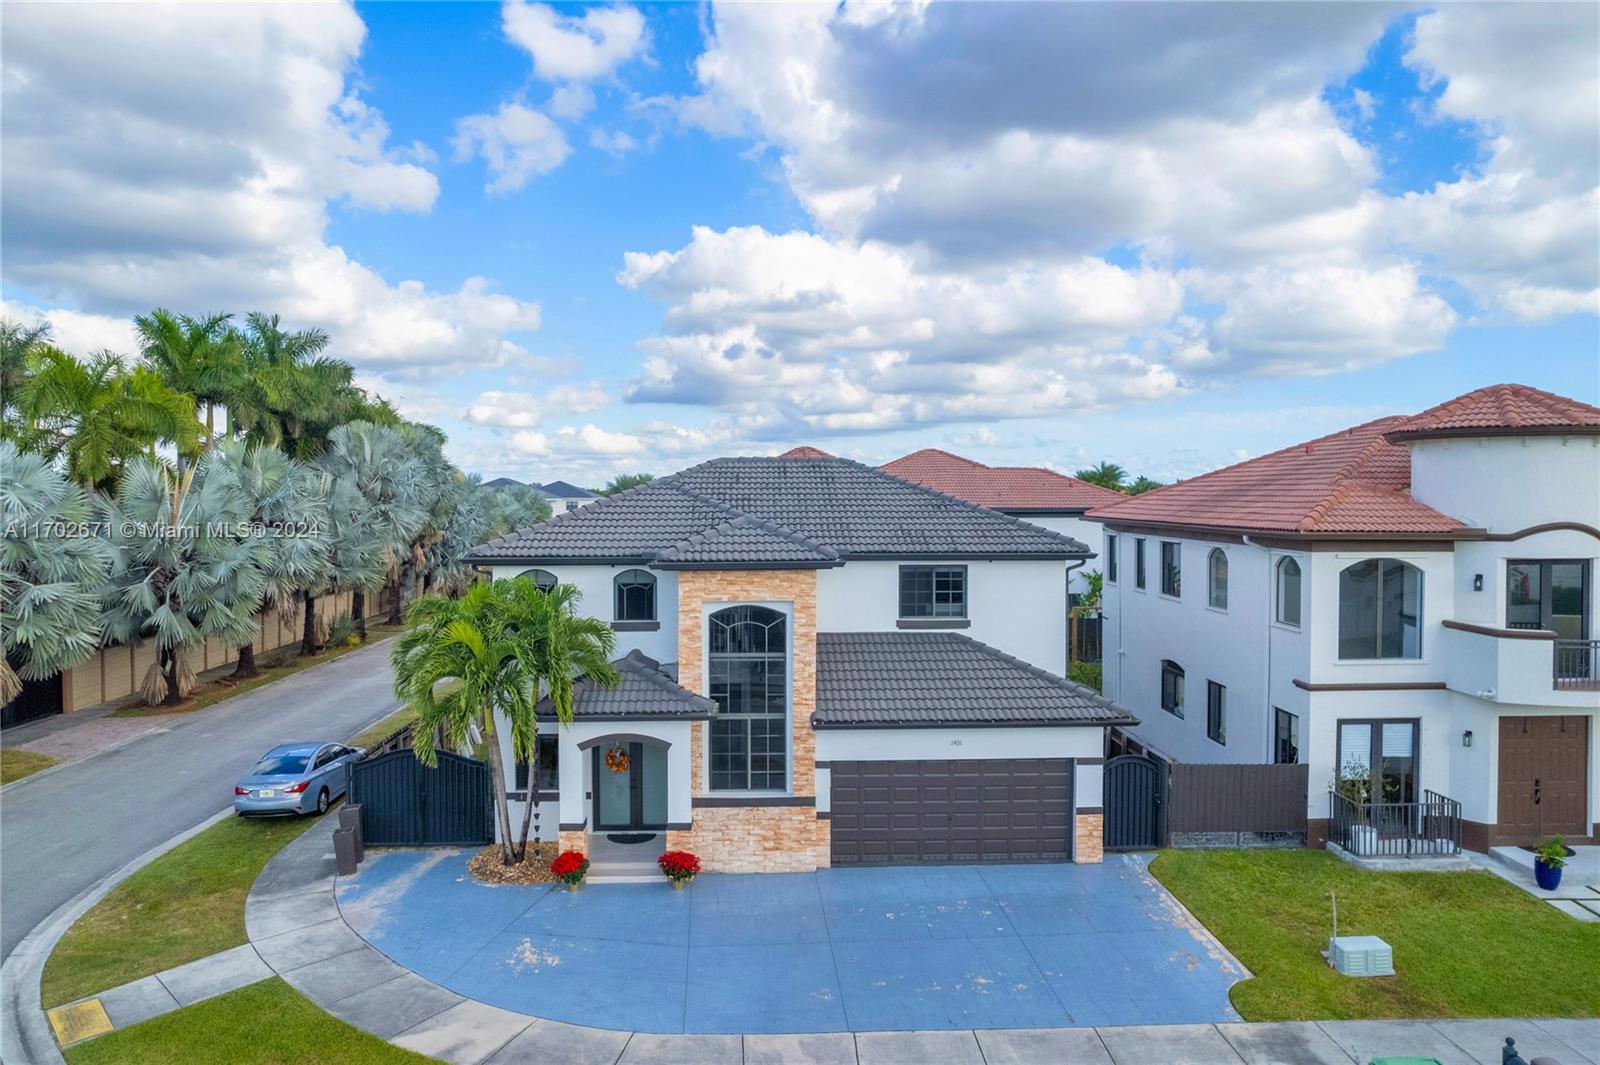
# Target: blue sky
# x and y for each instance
(1034, 234)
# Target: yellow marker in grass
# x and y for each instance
(79, 1021)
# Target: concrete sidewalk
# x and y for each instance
(296, 928)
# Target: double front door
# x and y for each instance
(630, 787)
(1544, 787)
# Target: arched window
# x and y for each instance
(1380, 610)
(748, 660)
(1172, 687)
(636, 595)
(1217, 578)
(542, 579)
(1289, 592)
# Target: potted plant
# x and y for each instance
(680, 867)
(570, 867)
(1549, 858)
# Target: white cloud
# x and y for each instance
(571, 101)
(517, 142)
(523, 410)
(574, 47)
(76, 332)
(185, 157)
(615, 143)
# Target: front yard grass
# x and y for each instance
(1465, 944)
(385, 728)
(16, 763)
(185, 905)
(267, 1023)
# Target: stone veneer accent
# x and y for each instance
(748, 839)
(574, 841)
(1089, 839)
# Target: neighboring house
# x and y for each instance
(822, 664)
(1412, 599)
(1036, 495)
(566, 497)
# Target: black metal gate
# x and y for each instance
(38, 698)
(1135, 793)
(406, 804)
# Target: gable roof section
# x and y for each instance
(643, 691)
(1013, 489)
(563, 490)
(1502, 410)
(943, 679)
(801, 511)
(805, 451)
(1353, 482)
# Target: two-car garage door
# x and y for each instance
(999, 810)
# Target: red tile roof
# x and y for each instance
(805, 451)
(1008, 488)
(1500, 410)
(1350, 482)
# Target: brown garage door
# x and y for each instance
(899, 813)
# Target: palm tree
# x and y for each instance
(357, 552)
(200, 356)
(289, 509)
(511, 507)
(19, 344)
(624, 481)
(1106, 475)
(101, 415)
(292, 396)
(189, 569)
(566, 646)
(1144, 484)
(477, 661)
(49, 582)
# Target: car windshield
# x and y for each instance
(275, 765)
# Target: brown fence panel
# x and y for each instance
(1236, 804)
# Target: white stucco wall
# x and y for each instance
(1079, 528)
(1018, 606)
(913, 744)
(595, 585)
(1229, 646)
(1504, 484)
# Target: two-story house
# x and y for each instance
(1409, 603)
(564, 496)
(822, 664)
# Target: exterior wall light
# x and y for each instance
(1466, 738)
(1477, 582)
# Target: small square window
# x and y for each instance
(933, 591)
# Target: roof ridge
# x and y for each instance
(742, 519)
(965, 503)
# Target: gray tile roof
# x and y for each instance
(645, 690)
(943, 679)
(799, 507)
(564, 490)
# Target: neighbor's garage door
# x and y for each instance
(1017, 810)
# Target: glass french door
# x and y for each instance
(636, 798)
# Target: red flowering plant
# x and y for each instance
(570, 867)
(680, 866)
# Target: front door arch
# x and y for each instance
(630, 782)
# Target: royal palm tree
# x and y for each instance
(201, 356)
(100, 414)
(189, 567)
(1106, 475)
(50, 581)
(480, 660)
(292, 395)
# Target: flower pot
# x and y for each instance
(574, 885)
(1548, 876)
(679, 885)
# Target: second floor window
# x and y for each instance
(1380, 610)
(933, 591)
(1288, 611)
(542, 579)
(1138, 562)
(1171, 687)
(636, 595)
(1111, 558)
(1217, 711)
(1217, 579)
(748, 660)
(1172, 569)
(1548, 594)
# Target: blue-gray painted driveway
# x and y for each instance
(1021, 946)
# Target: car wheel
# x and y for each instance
(322, 801)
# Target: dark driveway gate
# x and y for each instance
(1135, 789)
(933, 812)
(406, 804)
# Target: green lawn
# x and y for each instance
(16, 764)
(268, 1023)
(185, 905)
(1465, 944)
(393, 723)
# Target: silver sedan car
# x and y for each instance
(295, 778)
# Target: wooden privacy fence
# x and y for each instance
(1236, 805)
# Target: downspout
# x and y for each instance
(1266, 681)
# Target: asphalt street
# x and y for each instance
(62, 831)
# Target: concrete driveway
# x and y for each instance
(839, 950)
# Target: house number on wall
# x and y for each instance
(955, 743)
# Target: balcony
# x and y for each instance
(1527, 666)
(1427, 829)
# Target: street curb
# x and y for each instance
(159, 729)
(25, 1035)
(26, 1038)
